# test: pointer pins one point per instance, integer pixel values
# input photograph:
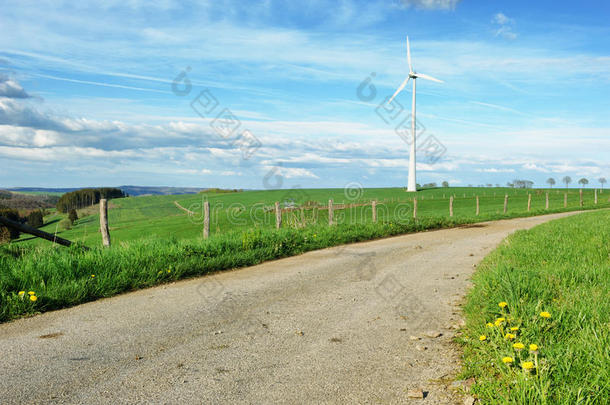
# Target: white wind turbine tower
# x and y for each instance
(411, 186)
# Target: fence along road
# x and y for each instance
(333, 325)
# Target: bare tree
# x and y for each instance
(567, 180)
(583, 181)
(602, 181)
(550, 181)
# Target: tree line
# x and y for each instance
(86, 197)
(567, 180)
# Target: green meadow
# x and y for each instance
(157, 216)
(154, 241)
(555, 282)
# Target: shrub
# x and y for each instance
(35, 219)
(7, 234)
(65, 224)
(72, 216)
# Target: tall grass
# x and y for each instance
(61, 277)
(563, 268)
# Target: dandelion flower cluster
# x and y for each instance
(504, 328)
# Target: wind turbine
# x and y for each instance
(411, 186)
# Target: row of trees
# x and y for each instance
(567, 180)
(86, 198)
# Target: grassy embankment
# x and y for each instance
(155, 242)
(555, 281)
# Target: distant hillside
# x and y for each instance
(25, 201)
(131, 190)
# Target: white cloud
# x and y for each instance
(432, 4)
(501, 18)
(505, 26)
(9, 88)
(495, 170)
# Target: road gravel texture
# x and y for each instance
(352, 324)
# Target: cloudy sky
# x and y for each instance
(233, 93)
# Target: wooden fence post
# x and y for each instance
(565, 200)
(529, 202)
(206, 219)
(547, 201)
(104, 222)
(505, 203)
(581, 198)
(278, 215)
(451, 206)
(374, 209)
(415, 208)
(478, 205)
(595, 196)
(330, 212)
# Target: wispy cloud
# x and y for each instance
(432, 4)
(504, 26)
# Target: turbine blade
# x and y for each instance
(409, 56)
(423, 76)
(402, 86)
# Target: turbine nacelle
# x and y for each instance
(412, 74)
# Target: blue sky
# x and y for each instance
(86, 91)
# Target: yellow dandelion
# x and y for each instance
(514, 328)
(507, 360)
(33, 298)
(527, 365)
(545, 314)
(482, 338)
(31, 293)
(21, 293)
(93, 276)
(490, 325)
(169, 271)
(533, 347)
(502, 304)
(519, 346)
(509, 336)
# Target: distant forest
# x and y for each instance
(86, 197)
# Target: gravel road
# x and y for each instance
(351, 324)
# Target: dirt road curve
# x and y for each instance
(332, 326)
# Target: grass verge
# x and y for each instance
(555, 282)
(59, 277)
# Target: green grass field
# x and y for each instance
(562, 268)
(157, 216)
(155, 242)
